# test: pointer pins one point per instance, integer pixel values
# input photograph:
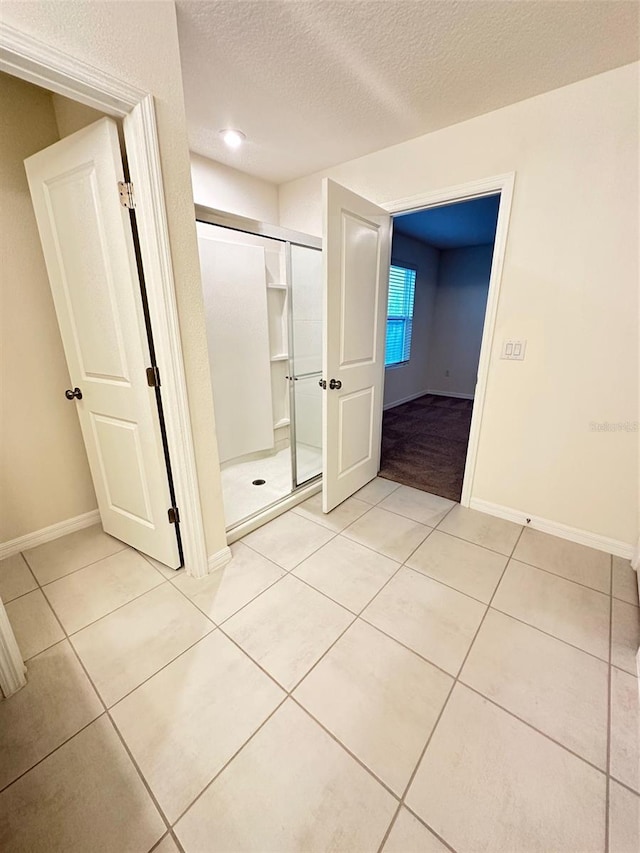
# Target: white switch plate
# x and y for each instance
(513, 350)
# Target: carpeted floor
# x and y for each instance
(424, 444)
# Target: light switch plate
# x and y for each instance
(513, 350)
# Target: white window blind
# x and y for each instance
(402, 288)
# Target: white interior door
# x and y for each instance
(356, 256)
(88, 248)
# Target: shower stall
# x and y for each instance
(262, 288)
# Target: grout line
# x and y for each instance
(553, 636)
(448, 585)
(625, 785)
(104, 615)
(449, 694)
(430, 828)
(106, 711)
(232, 758)
(608, 756)
(562, 577)
(470, 541)
(125, 547)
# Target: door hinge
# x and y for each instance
(153, 377)
(125, 188)
(174, 515)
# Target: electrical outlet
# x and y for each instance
(513, 350)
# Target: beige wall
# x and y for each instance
(570, 287)
(137, 42)
(44, 475)
(223, 188)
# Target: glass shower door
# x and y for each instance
(305, 340)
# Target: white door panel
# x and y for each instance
(88, 248)
(356, 254)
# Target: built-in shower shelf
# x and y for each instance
(283, 422)
(275, 286)
(283, 356)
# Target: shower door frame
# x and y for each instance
(234, 222)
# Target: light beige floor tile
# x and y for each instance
(292, 788)
(15, 578)
(33, 623)
(376, 490)
(186, 722)
(489, 782)
(387, 533)
(571, 612)
(554, 687)
(86, 796)
(288, 628)
(167, 845)
(226, 590)
(482, 529)
(467, 567)
(432, 619)
(625, 581)
(62, 556)
(624, 820)
(347, 572)
(625, 636)
(418, 505)
(339, 518)
(123, 649)
(288, 539)
(408, 835)
(91, 593)
(165, 571)
(56, 702)
(379, 699)
(625, 729)
(568, 559)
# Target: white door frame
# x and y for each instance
(12, 668)
(503, 184)
(30, 59)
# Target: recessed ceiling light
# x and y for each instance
(233, 138)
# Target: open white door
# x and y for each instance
(89, 252)
(356, 257)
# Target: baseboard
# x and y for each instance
(563, 531)
(450, 394)
(422, 393)
(219, 559)
(48, 534)
(635, 561)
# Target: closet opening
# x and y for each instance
(262, 288)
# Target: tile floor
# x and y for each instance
(401, 675)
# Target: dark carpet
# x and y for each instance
(424, 444)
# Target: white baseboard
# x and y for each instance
(219, 559)
(422, 393)
(563, 531)
(635, 560)
(48, 534)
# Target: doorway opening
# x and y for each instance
(441, 267)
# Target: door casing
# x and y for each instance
(503, 184)
(31, 60)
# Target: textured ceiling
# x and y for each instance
(453, 226)
(313, 83)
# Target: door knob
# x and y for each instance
(323, 384)
(335, 384)
(76, 393)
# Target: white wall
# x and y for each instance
(44, 473)
(223, 188)
(137, 42)
(570, 287)
(411, 379)
(458, 320)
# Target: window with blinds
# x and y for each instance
(402, 288)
